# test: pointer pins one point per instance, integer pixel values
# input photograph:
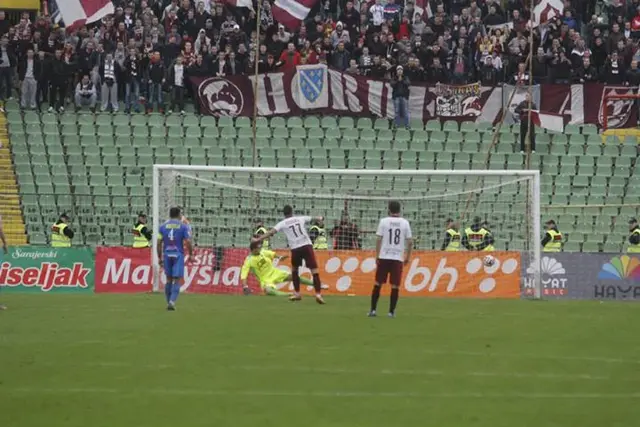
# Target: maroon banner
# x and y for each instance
(585, 104)
(128, 270)
(317, 89)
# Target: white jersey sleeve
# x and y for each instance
(394, 232)
(295, 229)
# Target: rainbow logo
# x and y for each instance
(621, 268)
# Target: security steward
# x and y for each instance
(451, 237)
(477, 237)
(634, 237)
(141, 233)
(318, 235)
(61, 233)
(259, 230)
(552, 241)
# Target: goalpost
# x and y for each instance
(223, 204)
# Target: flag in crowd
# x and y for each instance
(423, 8)
(239, 3)
(546, 10)
(549, 121)
(80, 12)
(291, 13)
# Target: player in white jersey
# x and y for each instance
(295, 229)
(393, 249)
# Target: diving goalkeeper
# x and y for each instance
(260, 262)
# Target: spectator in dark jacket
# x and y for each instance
(156, 74)
(540, 67)
(586, 73)
(221, 66)
(488, 73)
(177, 81)
(561, 68)
(351, 20)
(613, 71)
(400, 95)
(7, 62)
(267, 66)
(437, 73)
(42, 96)
(346, 235)
(632, 77)
(60, 75)
(132, 75)
(340, 58)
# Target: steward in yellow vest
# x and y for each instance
(141, 233)
(478, 237)
(452, 237)
(61, 233)
(552, 241)
(259, 231)
(634, 237)
(318, 235)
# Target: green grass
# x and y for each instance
(122, 361)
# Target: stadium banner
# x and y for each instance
(40, 269)
(596, 276)
(317, 89)
(217, 270)
(123, 270)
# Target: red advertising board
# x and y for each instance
(443, 274)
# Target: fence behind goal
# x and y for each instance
(223, 203)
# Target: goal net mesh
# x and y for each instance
(224, 207)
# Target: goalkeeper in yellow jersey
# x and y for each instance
(260, 263)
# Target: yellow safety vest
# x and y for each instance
(58, 238)
(555, 244)
(454, 242)
(321, 241)
(139, 240)
(476, 238)
(262, 230)
(634, 248)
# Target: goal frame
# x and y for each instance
(534, 189)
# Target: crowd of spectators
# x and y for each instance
(149, 48)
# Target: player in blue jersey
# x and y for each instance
(174, 237)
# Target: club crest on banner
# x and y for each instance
(312, 83)
(618, 111)
(221, 97)
(458, 100)
(309, 87)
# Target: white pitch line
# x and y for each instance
(328, 349)
(348, 371)
(301, 393)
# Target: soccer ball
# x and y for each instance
(489, 261)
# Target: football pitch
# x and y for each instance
(123, 361)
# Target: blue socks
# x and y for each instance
(175, 291)
(167, 291)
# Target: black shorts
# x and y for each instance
(306, 254)
(389, 269)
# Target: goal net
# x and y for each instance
(225, 206)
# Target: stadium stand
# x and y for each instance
(97, 164)
(100, 166)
